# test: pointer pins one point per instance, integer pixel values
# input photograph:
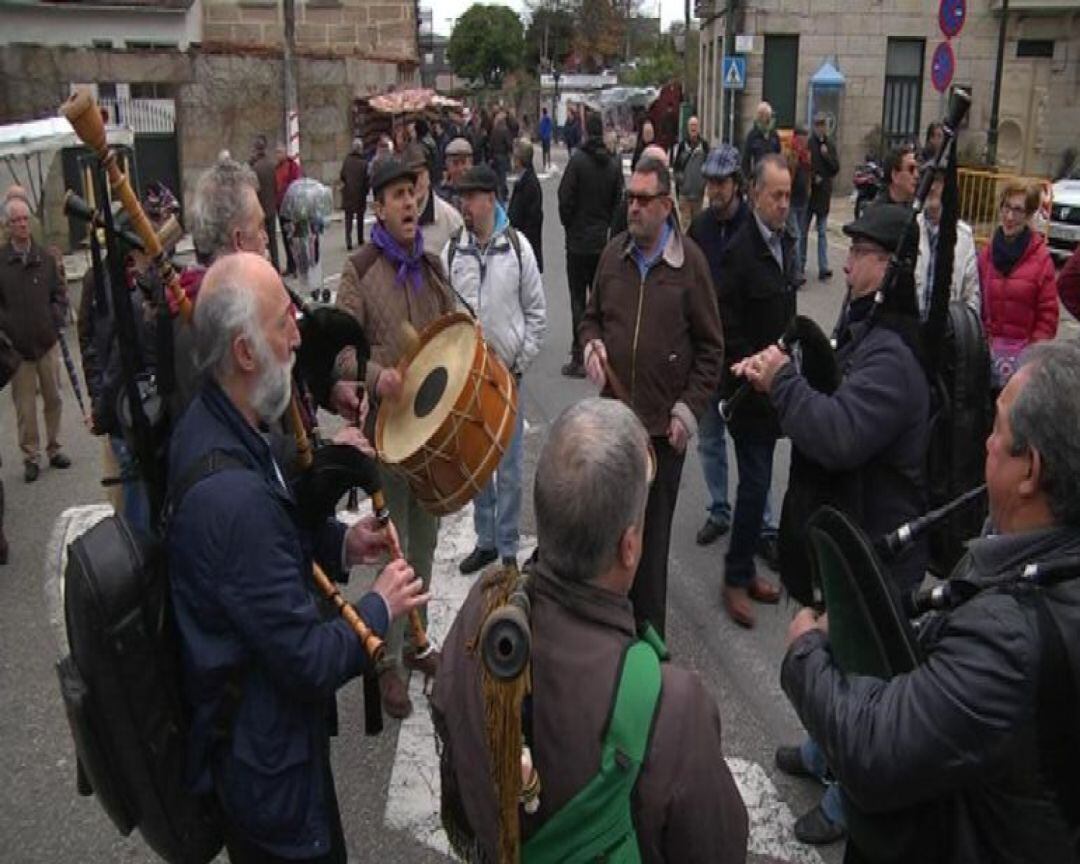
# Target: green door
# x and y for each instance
(782, 77)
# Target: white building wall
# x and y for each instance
(74, 26)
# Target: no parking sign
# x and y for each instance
(951, 16)
(942, 67)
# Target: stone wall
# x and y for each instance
(378, 29)
(1040, 101)
(223, 100)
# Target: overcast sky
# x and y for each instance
(447, 10)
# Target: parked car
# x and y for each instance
(1063, 233)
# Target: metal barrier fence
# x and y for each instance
(980, 193)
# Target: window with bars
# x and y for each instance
(902, 103)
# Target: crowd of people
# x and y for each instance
(681, 281)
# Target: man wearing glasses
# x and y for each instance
(651, 337)
(901, 177)
(870, 435)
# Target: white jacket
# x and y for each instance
(965, 276)
(446, 222)
(506, 296)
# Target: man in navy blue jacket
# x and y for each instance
(256, 651)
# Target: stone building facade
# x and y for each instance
(884, 51)
(224, 87)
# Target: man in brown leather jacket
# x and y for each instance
(651, 337)
(686, 806)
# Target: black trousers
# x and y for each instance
(242, 851)
(270, 224)
(649, 592)
(358, 216)
(290, 264)
(580, 272)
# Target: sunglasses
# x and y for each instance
(644, 198)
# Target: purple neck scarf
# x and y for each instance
(407, 263)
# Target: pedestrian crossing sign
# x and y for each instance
(734, 73)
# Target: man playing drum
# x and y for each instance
(388, 282)
(493, 268)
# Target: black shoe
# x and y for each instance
(574, 369)
(510, 561)
(31, 471)
(712, 530)
(825, 275)
(815, 828)
(59, 460)
(478, 559)
(768, 549)
(790, 761)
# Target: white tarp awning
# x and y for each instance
(27, 150)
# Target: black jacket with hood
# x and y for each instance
(589, 194)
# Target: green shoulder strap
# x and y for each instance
(597, 823)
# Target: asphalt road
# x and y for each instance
(42, 819)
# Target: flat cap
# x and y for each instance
(459, 147)
(882, 224)
(387, 170)
(722, 161)
(479, 178)
(415, 157)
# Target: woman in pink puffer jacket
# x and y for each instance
(1019, 291)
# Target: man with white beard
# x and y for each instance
(255, 649)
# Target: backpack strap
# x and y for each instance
(598, 823)
(209, 463)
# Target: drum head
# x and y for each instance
(433, 382)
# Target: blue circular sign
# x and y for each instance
(942, 67)
(951, 16)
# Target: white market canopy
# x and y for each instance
(27, 150)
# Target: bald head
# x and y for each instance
(655, 151)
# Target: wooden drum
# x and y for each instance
(454, 421)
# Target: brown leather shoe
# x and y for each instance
(737, 604)
(395, 695)
(763, 591)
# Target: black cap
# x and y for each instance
(479, 178)
(387, 170)
(882, 224)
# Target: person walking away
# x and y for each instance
(354, 192)
(265, 169)
(589, 195)
(526, 211)
(545, 131)
(824, 165)
(286, 172)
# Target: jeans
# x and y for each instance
(832, 802)
(580, 272)
(755, 458)
(797, 224)
(712, 449)
(822, 221)
(497, 509)
(136, 504)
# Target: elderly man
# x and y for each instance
(982, 729)
(255, 647)
(760, 140)
(458, 159)
(354, 192)
(868, 438)
(651, 337)
(439, 221)
(590, 192)
(965, 274)
(688, 160)
(493, 270)
(756, 285)
(685, 807)
(526, 210)
(262, 163)
(33, 306)
(388, 282)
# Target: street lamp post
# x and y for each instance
(992, 132)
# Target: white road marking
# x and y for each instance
(771, 820)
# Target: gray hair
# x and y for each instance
(226, 311)
(1045, 416)
(219, 206)
(650, 165)
(774, 159)
(591, 486)
(523, 151)
(358, 145)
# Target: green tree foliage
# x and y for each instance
(486, 44)
(550, 35)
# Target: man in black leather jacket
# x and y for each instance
(984, 732)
